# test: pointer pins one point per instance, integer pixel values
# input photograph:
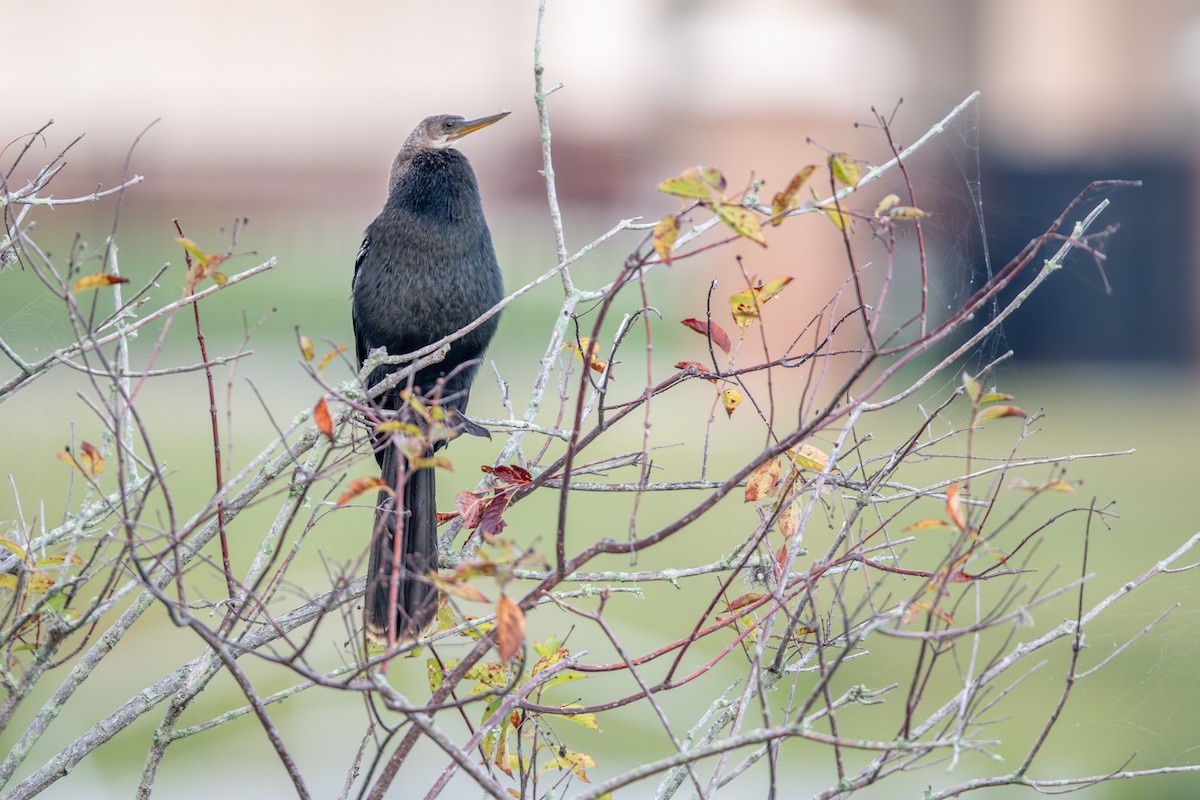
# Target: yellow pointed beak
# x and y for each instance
(470, 126)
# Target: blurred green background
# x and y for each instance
(289, 116)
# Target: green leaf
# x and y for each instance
(685, 187)
(973, 388)
(845, 169)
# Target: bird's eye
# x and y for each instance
(448, 124)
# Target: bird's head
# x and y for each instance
(443, 130)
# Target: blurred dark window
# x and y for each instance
(1149, 315)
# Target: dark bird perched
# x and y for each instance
(426, 268)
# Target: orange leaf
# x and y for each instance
(954, 508)
(510, 628)
(789, 519)
(762, 480)
(591, 348)
(97, 281)
(322, 418)
(330, 356)
(91, 459)
(712, 330)
(786, 200)
(665, 233)
(360, 485)
(730, 398)
(745, 600)
(463, 591)
(694, 365)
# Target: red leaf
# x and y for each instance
(470, 506)
(490, 522)
(745, 600)
(511, 474)
(712, 330)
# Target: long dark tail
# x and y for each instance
(416, 598)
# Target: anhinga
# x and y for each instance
(426, 268)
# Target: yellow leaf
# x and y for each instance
(14, 548)
(58, 560)
(845, 169)
(743, 222)
(710, 175)
(906, 212)
(685, 187)
(840, 219)
(886, 204)
(437, 462)
(926, 524)
(746, 305)
(587, 720)
(665, 233)
(195, 251)
(306, 348)
(97, 281)
(762, 480)
(730, 398)
(808, 457)
(576, 762)
(397, 426)
(994, 397)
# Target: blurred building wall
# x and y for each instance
(301, 105)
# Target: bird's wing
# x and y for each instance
(360, 346)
